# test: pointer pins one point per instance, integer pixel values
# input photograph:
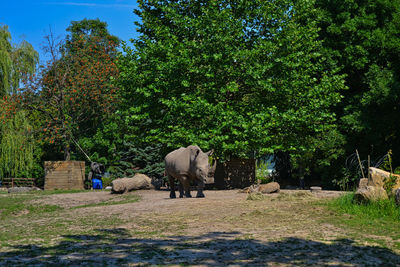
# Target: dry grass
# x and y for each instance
(289, 228)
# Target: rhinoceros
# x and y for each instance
(188, 164)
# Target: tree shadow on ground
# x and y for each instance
(118, 247)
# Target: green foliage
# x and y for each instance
(75, 91)
(18, 149)
(19, 152)
(383, 209)
(347, 180)
(103, 146)
(387, 162)
(361, 37)
(388, 185)
(16, 62)
(146, 160)
(86, 29)
(106, 181)
(239, 77)
(262, 173)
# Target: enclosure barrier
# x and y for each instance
(12, 182)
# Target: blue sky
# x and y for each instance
(30, 19)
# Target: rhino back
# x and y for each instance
(177, 162)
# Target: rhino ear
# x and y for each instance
(209, 153)
(194, 152)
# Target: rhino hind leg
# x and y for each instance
(180, 190)
(172, 186)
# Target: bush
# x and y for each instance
(372, 210)
(140, 159)
(106, 181)
(262, 172)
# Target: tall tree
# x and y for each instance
(362, 37)
(75, 89)
(237, 76)
(89, 28)
(17, 145)
(16, 62)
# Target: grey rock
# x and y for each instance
(22, 189)
(370, 193)
(315, 188)
(363, 183)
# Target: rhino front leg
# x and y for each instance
(200, 187)
(186, 186)
(172, 186)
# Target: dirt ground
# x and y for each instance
(222, 229)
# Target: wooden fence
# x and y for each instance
(11, 182)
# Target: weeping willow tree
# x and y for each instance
(16, 61)
(17, 147)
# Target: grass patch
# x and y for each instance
(282, 196)
(380, 218)
(56, 191)
(298, 195)
(18, 205)
(125, 200)
(383, 209)
(256, 196)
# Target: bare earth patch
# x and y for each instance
(224, 228)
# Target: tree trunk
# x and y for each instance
(67, 152)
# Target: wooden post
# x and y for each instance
(368, 166)
(359, 162)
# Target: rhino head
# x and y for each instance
(200, 165)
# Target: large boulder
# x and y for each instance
(372, 189)
(363, 183)
(370, 193)
(139, 181)
(378, 177)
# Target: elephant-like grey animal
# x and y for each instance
(186, 165)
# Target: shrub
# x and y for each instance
(372, 210)
(140, 159)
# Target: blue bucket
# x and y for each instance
(97, 183)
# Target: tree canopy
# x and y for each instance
(18, 149)
(16, 62)
(362, 39)
(239, 77)
(75, 90)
